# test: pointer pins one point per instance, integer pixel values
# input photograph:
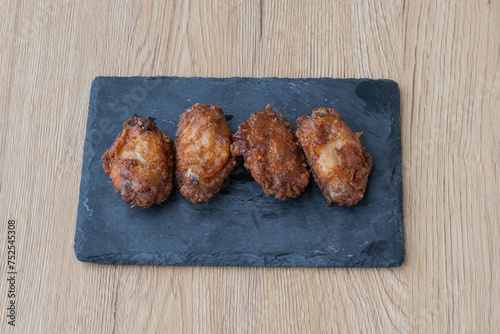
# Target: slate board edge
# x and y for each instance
(399, 166)
(256, 261)
(97, 79)
(87, 151)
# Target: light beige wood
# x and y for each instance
(445, 56)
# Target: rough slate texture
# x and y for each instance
(241, 226)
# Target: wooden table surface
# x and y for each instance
(444, 54)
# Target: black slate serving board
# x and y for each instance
(241, 226)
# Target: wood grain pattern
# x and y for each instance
(444, 54)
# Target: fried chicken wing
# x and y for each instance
(271, 153)
(340, 165)
(141, 163)
(204, 158)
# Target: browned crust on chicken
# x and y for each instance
(204, 158)
(271, 153)
(140, 163)
(340, 165)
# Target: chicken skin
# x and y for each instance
(339, 164)
(204, 158)
(141, 163)
(271, 153)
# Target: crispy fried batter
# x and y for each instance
(204, 158)
(269, 147)
(340, 165)
(141, 163)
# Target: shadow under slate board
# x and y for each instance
(240, 226)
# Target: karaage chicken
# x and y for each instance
(141, 163)
(271, 153)
(339, 164)
(204, 158)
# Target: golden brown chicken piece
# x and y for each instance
(269, 147)
(141, 163)
(204, 158)
(340, 165)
